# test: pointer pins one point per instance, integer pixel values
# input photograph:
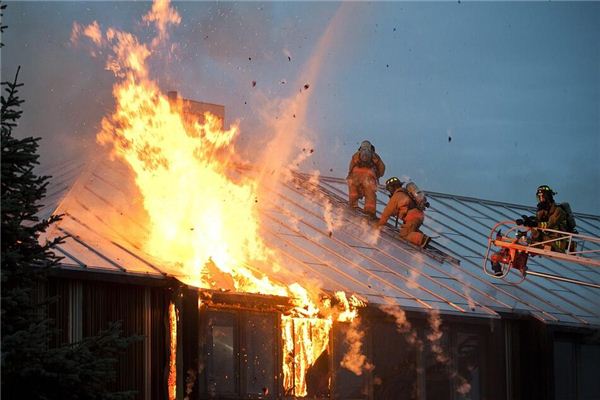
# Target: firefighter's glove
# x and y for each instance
(529, 221)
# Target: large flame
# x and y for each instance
(202, 214)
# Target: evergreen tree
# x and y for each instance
(31, 367)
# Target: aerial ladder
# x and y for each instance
(514, 246)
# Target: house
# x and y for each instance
(435, 326)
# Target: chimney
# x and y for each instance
(172, 95)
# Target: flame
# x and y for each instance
(203, 219)
(172, 379)
(199, 213)
(304, 339)
(349, 306)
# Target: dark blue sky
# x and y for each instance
(515, 85)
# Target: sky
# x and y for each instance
(481, 99)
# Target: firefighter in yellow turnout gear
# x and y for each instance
(366, 167)
(549, 215)
(409, 205)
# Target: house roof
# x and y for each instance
(308, 223)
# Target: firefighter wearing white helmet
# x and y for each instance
(409, 205)
(366, 167)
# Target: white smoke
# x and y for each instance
(354, 360)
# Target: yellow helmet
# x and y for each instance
(545, 191)
(392, 184)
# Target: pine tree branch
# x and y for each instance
(10, 111)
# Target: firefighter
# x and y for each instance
(409, 205)
(549, 215)
(366, 167)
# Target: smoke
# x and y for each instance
(435, 335)
(466, 289)
(332, 221)
(434, 339)
(224, 31)
(414, 274)
(190, 381)
(403, 326)
(288, 125)
(354, 360)
(462, 386)
(368, 233)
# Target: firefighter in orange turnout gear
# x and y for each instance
(408, 204)
(366, 167)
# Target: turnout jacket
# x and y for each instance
(553, 218)
(400, 204)
(376, 164)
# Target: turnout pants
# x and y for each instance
(362, 183)
(410, 228)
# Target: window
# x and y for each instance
(438, 385)
(222, 353)
(576, 371)
(347, 384)
(259, 355)
(468, 365)
(588, 384)
(240, 354)
(395, 373)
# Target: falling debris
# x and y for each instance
(253, 83)
(312, 151)
(387, 65)
(288, 54)
(283, 81)
(449, 138)
(294, 115)
(330, 169)
(249, 58)
(394, 29)
(306, 86)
